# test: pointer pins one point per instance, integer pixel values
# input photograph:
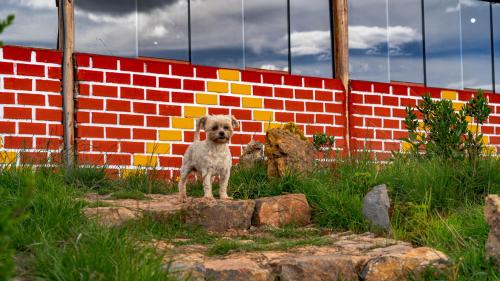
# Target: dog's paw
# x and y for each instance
(225, 197)
(183, 198)
(209, 198)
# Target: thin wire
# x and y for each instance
(388, 40)
(492, 34)
(136, 28)
(243, 32)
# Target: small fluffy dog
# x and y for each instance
(210, 157)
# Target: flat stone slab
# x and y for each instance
(282, 210)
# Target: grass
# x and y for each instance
(436, 203)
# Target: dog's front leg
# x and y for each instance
(207, 184)
(224, 180)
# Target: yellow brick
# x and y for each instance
(263, 115)
(457, 106)
(486, 139)
(145, 160)
(228, 74)
(406, 146)
(7, 157)
(269, 125)
(449, 95)
(194, 111)
(217, 87)
(241, 89)
(169, 135)
(182, 123)
(206, 99)
(158, 148)
(252, 103)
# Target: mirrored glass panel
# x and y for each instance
(106, 27)
(216, 32)
(405, 41)
(368, 37)
(35, 24)
(496, 38)
(442, 43)
(476, 44)
(311, 43)
(163, 29)
(266, 34)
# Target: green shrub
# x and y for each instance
(4, 24)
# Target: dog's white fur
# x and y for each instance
(210, 157)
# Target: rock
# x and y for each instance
(111, 216)
(317, 268)
(220, 215)
(492, 217)
(241, 269)
(376, 206)
(403, 265)
(286, 152)
(282, 210)
(252, 153)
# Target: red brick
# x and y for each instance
(283, 93)
(386, 100)
(7, 127)
(356, 98)
(82, 145)
(340, 96)
(30, 70)
(382, 88)
(144, 80)
(397, 135)
(417, 91)
(391, 146)
(242, 114)
(189, 136)
(18, 142)
(90, 159)
(334, 108)
(262, 91)
(464, 95)
(315, 106)
(90, 132)
(170, 110)
(145, 134)
(158, 121)
(241, 139)
(218, 111)
(16, 113)
(17, 53)
(54, 72)
(324, 96)
(34, 157)
(251, 76)
(382, 111)
(370, 99)
(90, 75)
(340, 120)
(272, 78)
(313, 82)
(193, 85)
(293, 80)
(324, 118)
(48, 143)
(408, 102)
(48, 86)
(171, 83)
(179, 149)
(132, 147)
(155, 95)
(56, 130)
(118, 78)
(294, 105)
(83, 60)
(311, 129)
(133, 120)
(118, 133)
(84, 89)
(400, 90)
(361, 86)
(382, 156)
(132, 93)
(105, 91)
(251, 127)
(6, 68)
(49, 56)
(273, 104)
(105, 62)
(396, 112)
(488, 129)
(360, 109)
(118, 105)
(133, 65)
(206, 72)
(105, 146)
(18, 84)
(49, 114)
(30, 99)
(383, 134)
(167, 161)
(391, 124)
(334, 84)
(304, 118)
(7, 98)
(363, 133)
(182, 97)
(374, 145)
(55, 100)
(182, 70)
(89, 103)
(82, 117)
(303, 94)
(336, 132)
(104, 118)
(229, 101)
(373, 122)
(284, 117)
(119, 159)
(157, 67)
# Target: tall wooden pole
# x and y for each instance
(341, 55)
(68, 81)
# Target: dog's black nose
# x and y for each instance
(221, 134)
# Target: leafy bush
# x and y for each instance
(4, 24)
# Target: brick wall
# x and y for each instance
(135, 113)
(30, 105)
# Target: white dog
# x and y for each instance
(210, 157)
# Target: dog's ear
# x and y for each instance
(200, 123)
(235, 122)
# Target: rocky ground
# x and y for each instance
(248, 250)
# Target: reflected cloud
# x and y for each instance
(310, 43)
(370, 37)
(35, 4)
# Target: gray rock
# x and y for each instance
(376, 206)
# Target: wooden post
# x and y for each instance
(68, 81)
(341, 54)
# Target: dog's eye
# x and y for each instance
(215, 128)
(226, 128)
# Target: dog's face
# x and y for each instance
(219, 128)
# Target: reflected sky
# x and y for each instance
(496, 32)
